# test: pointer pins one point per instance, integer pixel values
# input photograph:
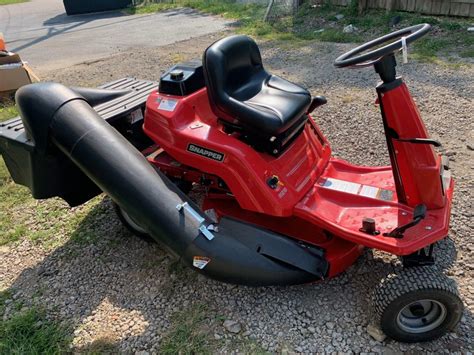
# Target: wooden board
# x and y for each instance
(426, 6)
(419, 5)
(402, 5)
(455, 9)
(411, 5)
(464, 9)
(444, 9)
(432, 7)
(436, 7)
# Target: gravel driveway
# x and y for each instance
(115, 288)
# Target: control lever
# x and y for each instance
(420, 141)
(418, 214)
(393, 134)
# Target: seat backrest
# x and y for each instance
(232, 69)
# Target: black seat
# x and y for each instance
(244, 94)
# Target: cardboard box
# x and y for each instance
(12, 78)
(13, 72)
(9, 58)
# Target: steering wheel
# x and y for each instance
(354, 58)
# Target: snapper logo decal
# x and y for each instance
(207, 153)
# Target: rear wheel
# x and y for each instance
(417, 304)
(131, 225)
(135, 227)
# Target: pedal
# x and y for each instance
(418, 214)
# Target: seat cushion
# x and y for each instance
(243, 93)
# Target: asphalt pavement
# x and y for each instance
(45, 37)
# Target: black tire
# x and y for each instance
(128, 222)
(133, 227)
(417, 304)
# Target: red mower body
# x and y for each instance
(318, 199)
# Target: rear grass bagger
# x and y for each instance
(225, 168)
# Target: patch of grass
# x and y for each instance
(30, 332)
(467, 53)
(150, 8)
(7, 111)
(192, 332)
(45, 223)
(10, 235)
(187, 334)
(101, 346)
(226, 8)
(428, 47)
(8, 2)
(11, 195)
(449, 35)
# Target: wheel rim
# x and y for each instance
(421, 316)
(135, 226)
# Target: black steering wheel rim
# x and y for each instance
(351, 59)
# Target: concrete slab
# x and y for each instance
(47, 38)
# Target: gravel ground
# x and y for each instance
(121, 290)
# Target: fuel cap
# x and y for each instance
(176, 74)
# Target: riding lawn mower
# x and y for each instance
(223, 165)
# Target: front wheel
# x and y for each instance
(417, 304)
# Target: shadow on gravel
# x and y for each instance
(119, 293)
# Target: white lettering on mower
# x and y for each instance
(208, 153)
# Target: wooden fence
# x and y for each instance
(431, 7)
